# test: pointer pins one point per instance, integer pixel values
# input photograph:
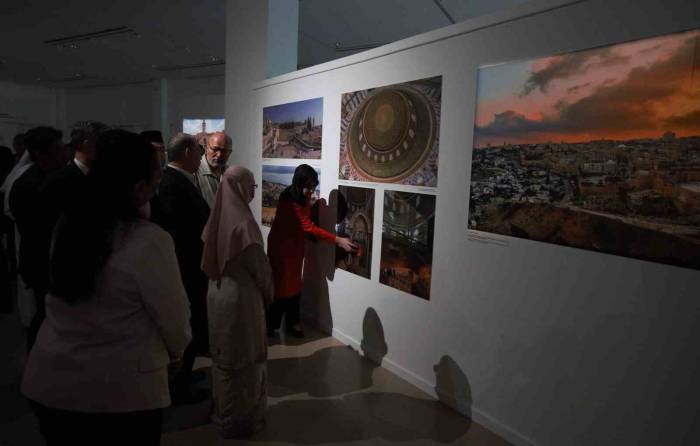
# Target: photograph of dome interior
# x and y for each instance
(408, 227)
(358, 226)
(293, 130)
(202, 128)
(391, 134)
(275, 179)
(596, 149)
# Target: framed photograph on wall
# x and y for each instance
(596, 149)
(408, 228)
(358, 225)
(293, 130)
(202, 128)
(275, 179)
(391, 134)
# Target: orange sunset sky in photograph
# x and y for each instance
(632, 90)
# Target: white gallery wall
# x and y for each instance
(549, 345)
(149, 105)
(127, 106)
(23, 107)
(201, 98)
(134, 107)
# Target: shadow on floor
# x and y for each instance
(362, 416)
(331, 371)
(282, 338)
(327, 372)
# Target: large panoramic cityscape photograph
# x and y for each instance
(596, 149)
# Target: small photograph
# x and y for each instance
(407, 242)
(293, 130)
(391, 134)
(358, 225)
(275, 179)
(202, 128)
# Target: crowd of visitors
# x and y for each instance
(129, 258)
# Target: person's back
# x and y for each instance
(117, 312)
(29, 214)
(25, 297)
(115, 340)
(47, 152)
(240, 289)
(63, 187)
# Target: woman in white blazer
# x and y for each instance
(117, 312)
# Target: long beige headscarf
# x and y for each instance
(231, 227)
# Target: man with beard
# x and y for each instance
(213, 165)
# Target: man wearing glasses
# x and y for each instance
(213, 165)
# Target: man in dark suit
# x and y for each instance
(30, 212)
(183, 212)
(64, 186)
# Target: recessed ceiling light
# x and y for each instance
(70, 41)
(190, 66)
(72, 78)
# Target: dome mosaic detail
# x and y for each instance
(390, 134)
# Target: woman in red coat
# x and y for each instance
(285, 248)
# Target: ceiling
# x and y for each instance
(356, 25)
(186, 38)
(164, 33)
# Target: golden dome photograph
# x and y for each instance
(391, 134)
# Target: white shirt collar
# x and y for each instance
(83, 168)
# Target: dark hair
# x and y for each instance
(83, 129)
(40, 139)
(304, 176)
(153, 136)
(84, 235)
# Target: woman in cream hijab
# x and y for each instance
(240, 288)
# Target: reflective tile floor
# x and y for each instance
(320, 393)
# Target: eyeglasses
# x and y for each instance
(220, 150)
